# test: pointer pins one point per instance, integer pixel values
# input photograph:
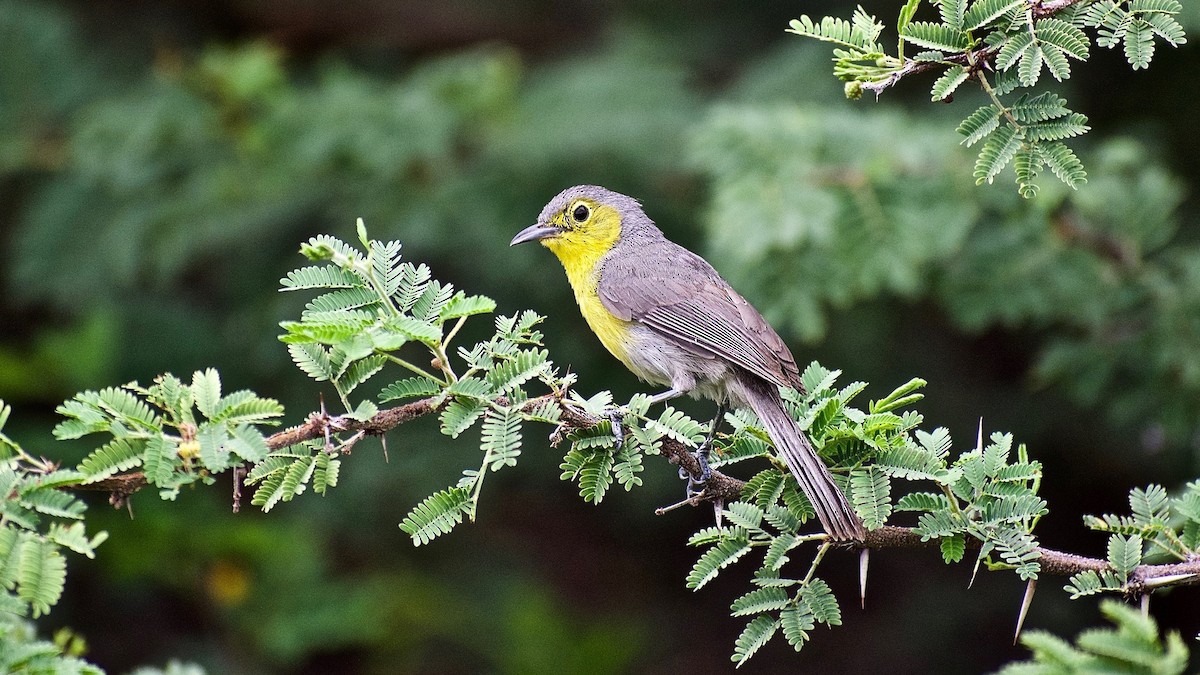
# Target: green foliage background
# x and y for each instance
(158, 168)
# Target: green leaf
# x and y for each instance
(459, 415)
(776, 555)
(839, 32)
(41, 575)
(1013, 49)
(1029, 68)
(415, 329)
(760, 600)
(745, 515)
(1068, 127)
(946, 84)
(524, 366)
(952, 12)
(325, 473)
(997, 152)
(466, 305)
(1167, 28)
(1150, 506)
(1056, 61)
(756, 634)
(923, 501)
(246, 407)
(1139, 44)
(1124, 554)
(1084, 583)
(319, 276)
(248, 443)
(675, 424)
(438, 515)
(214, 452)
(1066, 36)
(119, 454)
(871, 496)
(628, 465)
(502, 437)
(206, 390)
(1026, 165)
(595, 476)
(159, 460)
(715, 559)
(329, 305)
(820, 599)
(983, 12)
(313, 359)
(797, 621)
(412, 387)
(1063, 162)
(51, 502)
(907, 12)
(359, 372)
(935, 36)
(953, 547)
(979, 124)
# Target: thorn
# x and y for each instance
(1146, 606)
(719, 511)
(383, 441)
(979, 438)
(864, 557)
(1028, 600)
(973, 573)
(690, 501)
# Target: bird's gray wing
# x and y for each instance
(677, 294)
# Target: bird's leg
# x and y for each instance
(615, 417)
(666, 396)
(696, 482)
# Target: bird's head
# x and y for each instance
(582, 221)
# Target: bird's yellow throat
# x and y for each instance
(580, 250)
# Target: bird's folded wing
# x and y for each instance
(692, 305)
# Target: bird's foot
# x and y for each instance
(616, 417)
(697, 481)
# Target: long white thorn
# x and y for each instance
(864, 557)
(1025, 603)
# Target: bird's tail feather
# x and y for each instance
(833, 510)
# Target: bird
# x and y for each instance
(671, 319)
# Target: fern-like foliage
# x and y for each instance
(1159, 527)
(373, 310)
(1020, 42)
(37, 522)
(178, 432)
(1133, 645)
(985, 495)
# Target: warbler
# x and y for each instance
(666, 314)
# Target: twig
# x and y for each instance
(973, 59)
(718, 487)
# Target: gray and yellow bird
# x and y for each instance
(667, 315)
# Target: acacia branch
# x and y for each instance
(972, 59)
(719, 487)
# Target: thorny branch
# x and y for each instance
(973, 59)
(720, 487)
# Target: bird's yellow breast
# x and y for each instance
(580, 253)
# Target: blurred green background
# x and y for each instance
(161, 162)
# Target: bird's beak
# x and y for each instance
(533, 233)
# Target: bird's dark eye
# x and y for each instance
(580, 213)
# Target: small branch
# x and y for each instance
(719, 487)
(973, 59)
